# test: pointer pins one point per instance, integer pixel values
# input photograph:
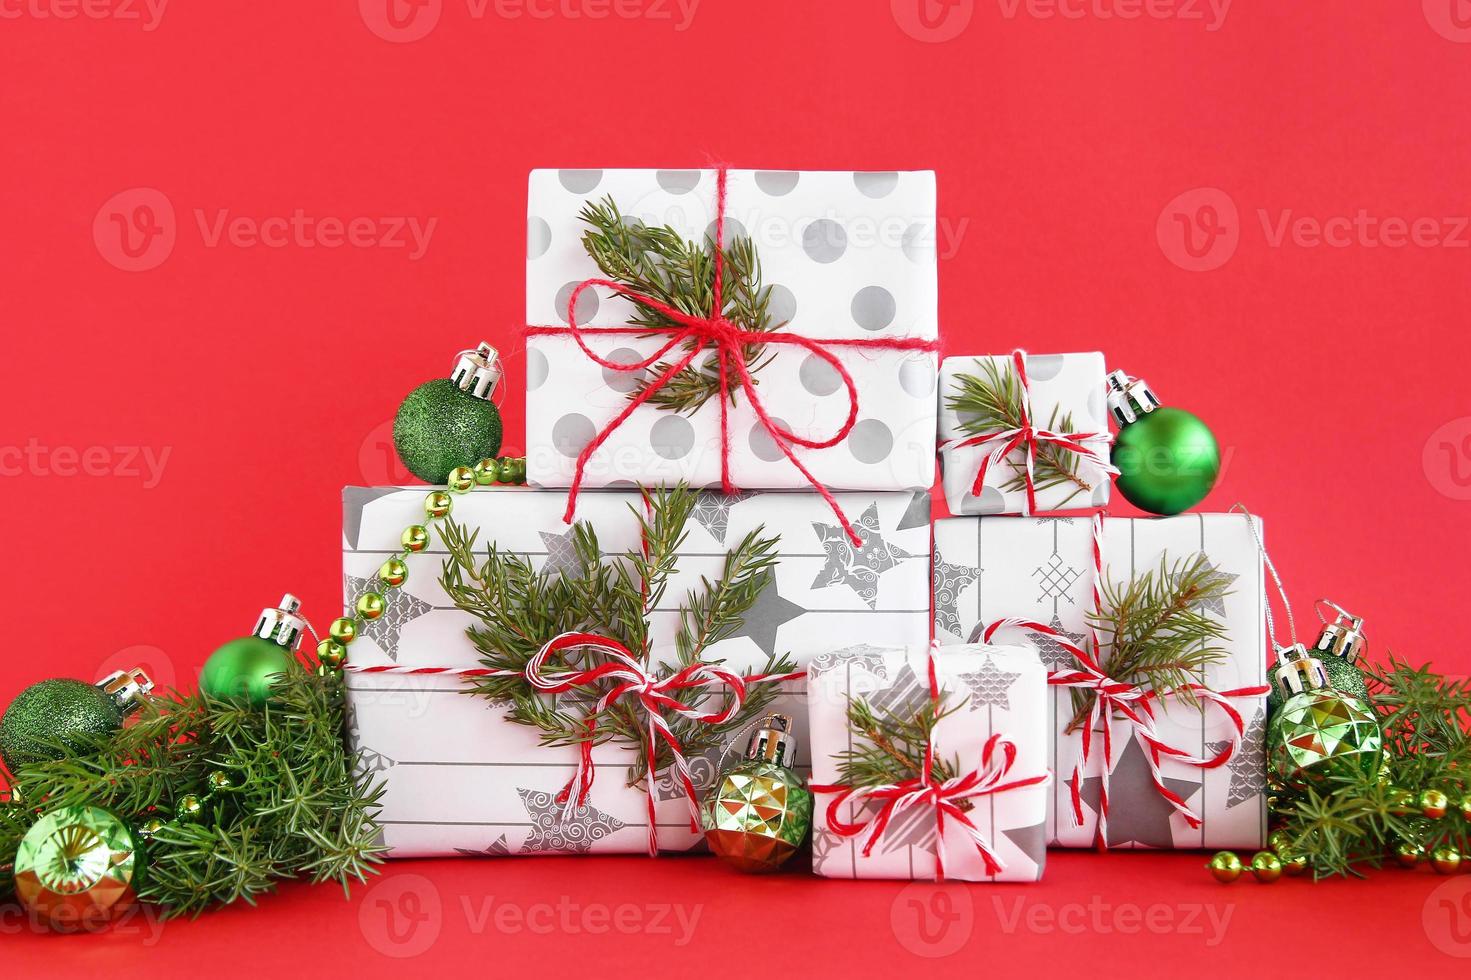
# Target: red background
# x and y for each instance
(1333, 374)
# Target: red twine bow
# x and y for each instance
(654, 696)
(1135, 705)
(1028, 438)
(717, 333)
(990, 778)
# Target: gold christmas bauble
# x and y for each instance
(76, 868)
(394, 571)
(343, 630)
(331, 653)
(438, 504)
(371, 605)
(415, 537)
(1446, 860)
(487, 472)
(1434, 804)
(1408, 853)
(461, 479)
(1266, 867)
(1225, 867)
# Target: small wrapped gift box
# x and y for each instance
(462, 779)
(992, 569)
(849, 262)
(1050, 406)
(982, 814)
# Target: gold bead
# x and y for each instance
(150, 828)
(415, 537)
(486, 472)
(331, 653)
(1266, 867)
(1408, 853)
(438, 503)
(1466, 807)
(394, 572)
(220, 781)
(1434, 804)
(1281, 842)
(1225, 867)
(343, 630)
(461, 479)
(1295, 865)
(190, 807)
(370, 605)
(1446, 860)
(1401, 801)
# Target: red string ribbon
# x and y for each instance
(726, 340)
(1135, 705)
(629, 681)
(1028, 438)
(990, 778)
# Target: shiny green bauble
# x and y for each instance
(758, 815)
(1342, 676)
(1322, 732)
(76, 868)
(1168, 461)
(245, 670)
(1225, 867)
(440, 428)
(54, 719)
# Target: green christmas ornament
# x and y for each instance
(1339, 647)
(59, 717)
(247, 668)
(451, 422)
(1168, 460)
(1318, 731)
(760, 811)
(76, 868)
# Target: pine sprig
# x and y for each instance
(995, 402)
(1154, 631)
(298, 808)
(519, 609)
(892, 747)
(658, 262)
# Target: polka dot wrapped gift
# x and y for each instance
(849, 262)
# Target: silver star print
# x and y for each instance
(400, 609)
(857, 567)
(949, 582)
(1032, 841)
(1226, 579)
(1247, 766)
(913, 827)
(918, 512)
(704, 768)
(1054, 655)
(496, 848)
(864, 655)
(561, 552)
(904, 697)
(826, 846)
(712, 511)
(550, 833)
(990, 685)
(1137, 813)
(1055, 577)
(766, 616)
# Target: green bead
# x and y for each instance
(394, 572)
(1266, 867)
(415, 538)
(438, 504)
(518, 470)
(1225, 867)
(1322, 732)
(245, 669)
(486, 472)
(461, 479)
(54, 719)
(343, 630)
(758, 815)
(190, 808)
(331, 653)
(371, 605)
(1168, 461)
(220, 782)
(439, 427)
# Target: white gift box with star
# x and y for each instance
(461, 779)
(846, 256)
(992, 568)
(994, 690)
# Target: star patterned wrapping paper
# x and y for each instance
(992, 568)
(1005, 692)
(1070, 384)
(846, 255)
(461, 779)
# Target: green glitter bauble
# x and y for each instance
(1168, 461)
(245, 669)
(1321, 732)
(758, 815)
(54, 719)
(440, 427)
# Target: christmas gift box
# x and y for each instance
(462, 777)
(1183, 762)
(1024, 433)
(826, 346)
(930, 762)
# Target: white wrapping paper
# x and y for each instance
(993, 568)
(1067, 383)
(1005, 692)
(460, 779)
(847, 255)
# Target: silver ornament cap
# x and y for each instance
(1298, 671)
(1129, 399)
(283, 625)
(478, 372)
(127, 688)
(1344, 637)
(773, 741)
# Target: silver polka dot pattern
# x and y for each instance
(918, 243)
(873, 307)
(678, 181)
(876, 184)
(781, 307)
(538, 237)
(1043, 367)
(537, 369)
(991, 502)
(572, 433)
(672, 436)
(580, 181)
(733, 230)
(818, 376)
(824, 240)
(871, 441)
(917, 376)
(777, 182)
(624, 381)
(587, 303)
(763, 445)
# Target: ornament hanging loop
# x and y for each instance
(1261, 548)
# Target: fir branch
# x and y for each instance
(996, 403)
(659, 263)
(892, 748)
